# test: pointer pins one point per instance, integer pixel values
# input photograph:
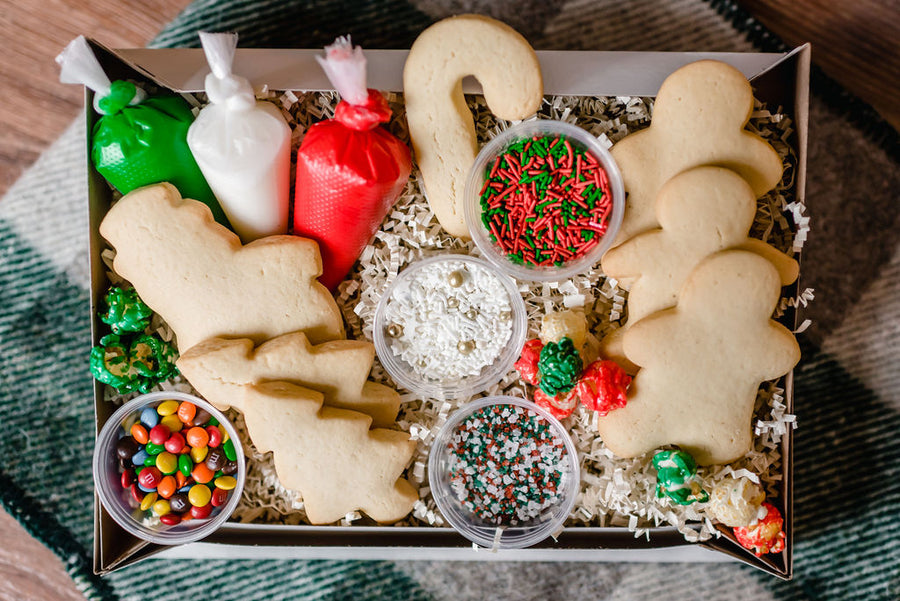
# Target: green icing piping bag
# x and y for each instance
(138, 140)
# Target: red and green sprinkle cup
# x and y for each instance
(504, 473)
(544, 200)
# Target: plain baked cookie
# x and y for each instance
(701, 211)
(218, 368)
(702, 363)
(698, 119)
(440, 124)
(330, 456)
(198, 277)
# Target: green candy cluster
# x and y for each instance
(138, 366)
(125, 312)
(676, 474)
(559, 366)
(128, 359)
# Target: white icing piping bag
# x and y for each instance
(243, 146)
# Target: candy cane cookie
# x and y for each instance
(440, 124)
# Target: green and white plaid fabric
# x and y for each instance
(847, 450)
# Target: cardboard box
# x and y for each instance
(778, 79)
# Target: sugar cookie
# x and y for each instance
(701, 211)
(329, 455)
(440, 124)
(702, 363)
(698, 119)
(199, 278)
(339, 369)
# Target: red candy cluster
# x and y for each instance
(602, 386)
(527, 365)
(766, 535)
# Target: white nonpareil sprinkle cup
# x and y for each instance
(449, 326)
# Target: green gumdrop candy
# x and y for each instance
(143, 144)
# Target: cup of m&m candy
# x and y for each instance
(169, 467)
(544, 200)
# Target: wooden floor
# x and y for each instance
(855, 42)
(34, 109)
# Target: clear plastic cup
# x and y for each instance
(449, 388)
(472, 205)
(118, 501)
(475, 528)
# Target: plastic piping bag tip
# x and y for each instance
(79, 65)
(345, 66)
(219, 49)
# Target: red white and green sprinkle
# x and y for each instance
(545, 201)
(506, 464)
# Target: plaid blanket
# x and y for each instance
(847, 384)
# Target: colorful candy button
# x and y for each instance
(175, 443)
(215, 436)
(172, 422)
(140, 434)
(170, 519)
(166, 487)
(202, 512)
(148, 501)
(226, 482)
(199, 495)
(219, 497)
(159, 434)
(202, 474)
(197, 437)
(161, 507)
(198, 454)
(167, 463)
(185, 465)
(149, 417)
(186, 412)
(230, 453)
(167, 408)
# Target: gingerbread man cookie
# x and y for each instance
(698, 119)
(218, 368)
(330, 455)
(440, 124)
(701, 211)
(702, 362)
(199, 278)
